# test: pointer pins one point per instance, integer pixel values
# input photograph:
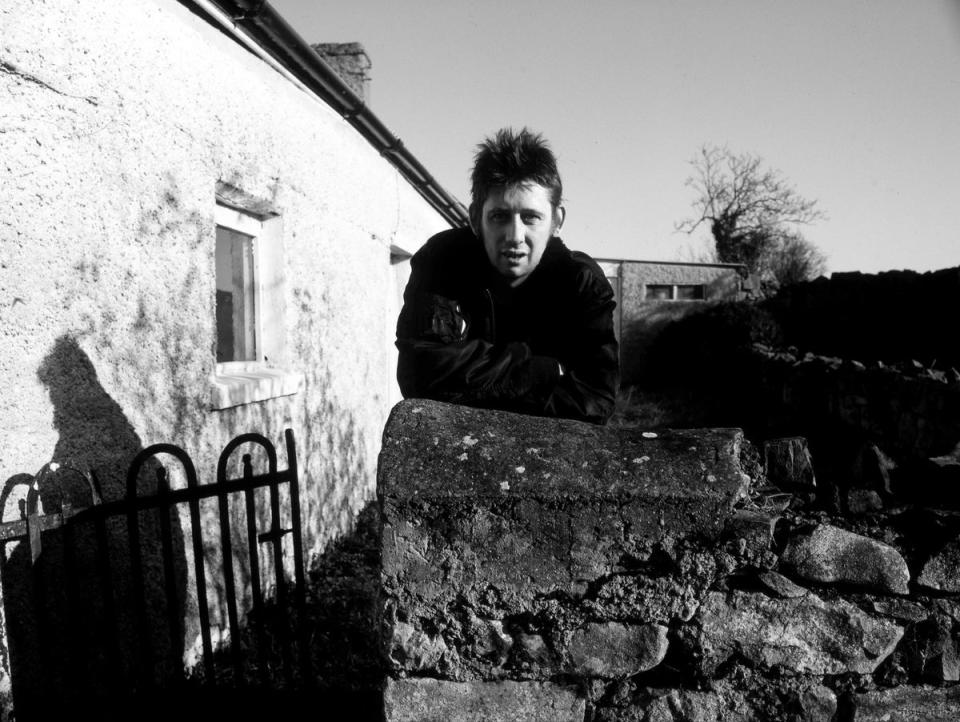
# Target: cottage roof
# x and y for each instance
(256, 22)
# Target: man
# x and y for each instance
(502, 314)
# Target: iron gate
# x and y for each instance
(102, 602)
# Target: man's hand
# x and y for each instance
(441, 319)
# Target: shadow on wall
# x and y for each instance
(167, 347)
(69, 643)
(344, 589)
(337, 478)
(342, 628)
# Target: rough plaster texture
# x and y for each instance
(118, 120)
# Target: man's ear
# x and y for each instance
(559, 215)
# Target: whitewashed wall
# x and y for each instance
(117, 120)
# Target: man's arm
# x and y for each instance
(588, 387)
(438, 361)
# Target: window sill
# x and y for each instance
(239, 383)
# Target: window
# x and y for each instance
(236, 297)
(659, 293)
(249, 311)
(689, 293)
(674, 292)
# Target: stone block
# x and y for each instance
(942, 570)
(533, 656)
(475, 500)
(727, 700)
(753, 532)
(872, 469)
(489, 515)
(612, 649)
(908, 704)
(817, 703)
(901, 609)
(674, 705)
(414, 649)
(788, 464)
(929, 651)
(828, 554)
(863, 501)
(432, 700)
(800, 635)
(780, 586)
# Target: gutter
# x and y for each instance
(261, 29)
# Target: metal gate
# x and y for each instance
(139, 598)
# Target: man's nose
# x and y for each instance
(516, 232)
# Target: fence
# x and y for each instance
(110, 601)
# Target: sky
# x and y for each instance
(855, 102)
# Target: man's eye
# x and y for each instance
(498, 217)
(531, 218)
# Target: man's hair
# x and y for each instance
(510, 158)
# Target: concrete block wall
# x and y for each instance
(642, 320)
(543, 569)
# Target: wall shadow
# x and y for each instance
(73, 641)
(340, 627)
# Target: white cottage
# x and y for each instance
(203, 233)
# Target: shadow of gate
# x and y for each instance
(107, 609)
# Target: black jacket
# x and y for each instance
(465, 337)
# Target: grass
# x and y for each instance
(659, 409)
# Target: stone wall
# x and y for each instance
(890, 316)
(540, 569)
(911, 410)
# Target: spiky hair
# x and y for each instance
(513, 158)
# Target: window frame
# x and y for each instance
(236, 383)
(244, 224)
(674, 292)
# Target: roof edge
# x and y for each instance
(284, 45)
(670, 263)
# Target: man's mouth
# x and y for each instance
(514, 255)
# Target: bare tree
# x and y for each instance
(751, 209)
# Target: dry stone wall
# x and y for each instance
(548, 569)
(884, 434)
(880, 316)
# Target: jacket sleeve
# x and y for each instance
(438, 361)
(588, 388)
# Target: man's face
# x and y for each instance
(516, 222)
